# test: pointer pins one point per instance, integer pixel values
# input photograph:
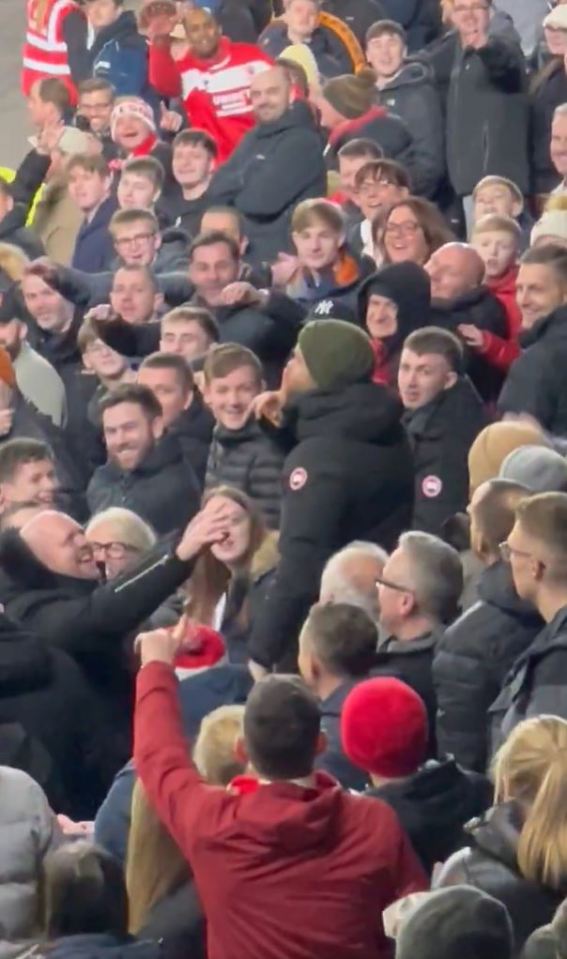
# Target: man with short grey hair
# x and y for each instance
(351, 574)
(419, 595)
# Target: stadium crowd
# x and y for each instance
(283, 482)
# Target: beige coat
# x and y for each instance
(57, 220)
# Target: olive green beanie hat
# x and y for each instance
(336, 353)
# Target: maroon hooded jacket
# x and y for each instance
(283, 870)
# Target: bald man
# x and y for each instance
(460, 302)
(277, 164)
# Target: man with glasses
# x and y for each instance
(419, 593)
(487, 107)
(536, 550)
(377, 186)
(96, 100)
(407, 89)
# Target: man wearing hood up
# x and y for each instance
(348, 477)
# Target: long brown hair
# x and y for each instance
(531, 768)
(211, 578)
(435, 229)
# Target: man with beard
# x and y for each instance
(147, 469)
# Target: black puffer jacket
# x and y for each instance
(412, 95)
(163, 489)
(490, 864)
(349, 477)
(252, 462)
(472, 661)
(411, 661)
(194, 429)
(433, 806)
(536, 383)
(441, 434)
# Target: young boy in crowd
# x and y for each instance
(241, 454)
(498, 194)
(188, 331)
(327, 273)
(194, 160)
(497, 239)
(378, 185)
(89, 186)
(140, 184)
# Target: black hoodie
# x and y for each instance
(349, 477)
(274, 167)
(433, 806)
(536, 383)
(472, 660)
(163, 489)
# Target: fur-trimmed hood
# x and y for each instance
(266, 557)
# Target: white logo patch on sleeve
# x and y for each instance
(431, 486)
(298, 478)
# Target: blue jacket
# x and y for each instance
(119, 54)
(94, 250)
(333, 760)
(102, 946)
(198, 695)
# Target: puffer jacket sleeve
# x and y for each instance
(264, 482)
(465, 691)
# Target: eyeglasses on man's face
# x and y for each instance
(389, 584)
(507, 552)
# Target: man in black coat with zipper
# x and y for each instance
(276, 165)
(536, 383)
(348, 475)
(477, 651)
(443, 415)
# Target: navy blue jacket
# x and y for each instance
(94, 250)
(333, 760)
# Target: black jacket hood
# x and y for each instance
(413, 72)
(362, 411)
(298, 115)
(409, 287)
(498, 833)
(496, 588)
(458, 405)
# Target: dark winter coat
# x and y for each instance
(333, 759)
(537, 682)
(472, 661)
(482, 309)
(13, 230)
(252, 462)
(89, 621)
(224, 685)
(421, 19)
(332, 56)
(433, 806)
(358, 15)
(334, 291)
(119, 55)
(536, 382)
(242, 22)
(412, 95)
(389, 132)
(349, 477)
(412, 662)
(274, 167)
(245, 598)
(185, 214)
(543, 101)
(486, 86)
(178, 924)
(194, 429)
(163, 489)
(94, 248)
(490, 864)
(441, 434)
(44, 691)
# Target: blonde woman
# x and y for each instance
(518, 850)
(163, 903)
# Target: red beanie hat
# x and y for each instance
(204, 648)
(384, 727)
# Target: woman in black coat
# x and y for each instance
(517, 851)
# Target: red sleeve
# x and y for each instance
(163, 73)
(184, 803)
(499, 352)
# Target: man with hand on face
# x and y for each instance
(536, 381)
(275, 166)
(213, 78)
(147, 470)
(443, 416)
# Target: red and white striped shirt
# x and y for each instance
(45, 51)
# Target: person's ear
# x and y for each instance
(322, 743)
(408, 604)
(158, 241)
(87, 363)
(156, 196)
(158, 301)
(538, 569)
(517, 209)
(158, 427)
(452, 378)
(241, 752)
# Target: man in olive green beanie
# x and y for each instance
(336, 353)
